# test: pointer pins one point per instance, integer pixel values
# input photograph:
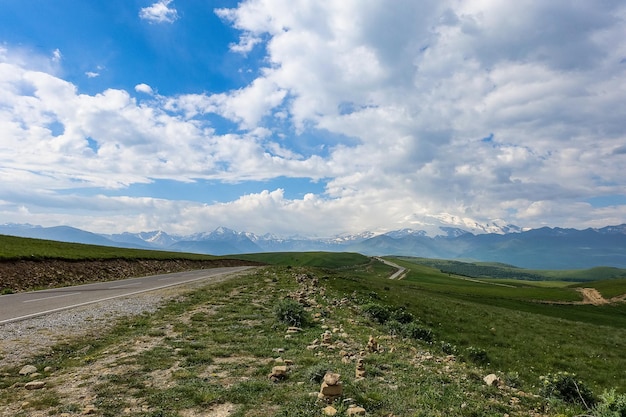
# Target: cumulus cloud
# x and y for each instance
(144, 88)
(159, 12)
(389, 105)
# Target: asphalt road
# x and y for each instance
(14, 307)
(399, 274)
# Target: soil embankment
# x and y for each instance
(25, 275)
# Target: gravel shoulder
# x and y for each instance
(24, 339)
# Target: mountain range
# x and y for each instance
(543, 248)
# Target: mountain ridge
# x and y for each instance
(541, 248)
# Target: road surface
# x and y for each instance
(399, 274)
(14, 307)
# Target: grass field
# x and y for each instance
(503, 271)
(14, 248)
(312, 259)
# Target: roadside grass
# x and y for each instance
(20, 248)
(213, 349)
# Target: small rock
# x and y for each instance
(360, 369)
(279, 373)
(491, 379)
(27, 370)
(356, 411)
(33, 385)
(329, 411)
(372, 344)
(331, 378)
(47, 369)
(90, 409)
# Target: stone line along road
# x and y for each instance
(14, 307)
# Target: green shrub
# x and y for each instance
(401, 315)
(417, 332)
(291, 313)
(477, 355)
(449, 348)
(611, 404)
(376, 312)
(564, 386)
(395, 328)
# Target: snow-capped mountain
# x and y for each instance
(543, 248)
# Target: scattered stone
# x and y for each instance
(90, 409)
(27, 370)
(327, 338)
(356, 411)
(293, 329)
(492, 379)
(372, 345)
(47, 369)
(360, 369)
(329, 411)
(33, 385)
(279, 373)
(278, 350)
(331, 388)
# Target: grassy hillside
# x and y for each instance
(608, 288)
(14, 248)
(504, 271)
(312, 259)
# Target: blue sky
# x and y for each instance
(311, 118)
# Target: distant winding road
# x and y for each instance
(399, 274)
(15, 307)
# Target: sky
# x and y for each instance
(312, 117)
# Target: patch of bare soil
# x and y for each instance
(592, 296)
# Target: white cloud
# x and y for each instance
(159, 12)
(92, 74)
(478, 109)
(144, 88)
(56, 55)
(245, 45)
